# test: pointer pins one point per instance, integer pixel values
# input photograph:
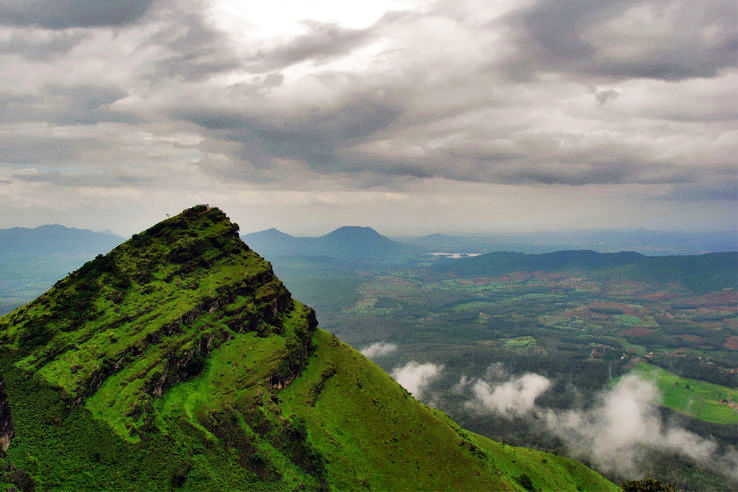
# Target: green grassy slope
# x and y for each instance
(374, 433)
(179, 360)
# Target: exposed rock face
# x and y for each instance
(6, 422)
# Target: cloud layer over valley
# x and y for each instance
(615, 433)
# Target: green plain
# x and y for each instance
(692, 397)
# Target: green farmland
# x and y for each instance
(698, 399)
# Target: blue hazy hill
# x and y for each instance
(348, 242)
(32, 259)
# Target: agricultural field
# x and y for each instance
(704, 401)
(622, 319)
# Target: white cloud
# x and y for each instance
(615, 433)
(416, 377)
(624, 424)
(516, 396)
(378, 349)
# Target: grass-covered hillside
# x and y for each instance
(179, 360)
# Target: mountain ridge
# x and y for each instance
(602, 240)
(54, 239)
(179, 360)
(699, 273)
(31, 259)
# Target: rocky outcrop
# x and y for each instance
(7, 432)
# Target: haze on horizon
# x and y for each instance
(407, 116)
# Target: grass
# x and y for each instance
(697, 399)
(631, 347)
(520, 342)
(237, 366)
(628, 319)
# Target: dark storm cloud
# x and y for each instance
(322, 138)
(322, 42)
(357, 117)
(63, 14)
(85, 104)
(571, 36)
(211, 118)
(548, 164)
(195, 51)
(199, 51)
(311, 135)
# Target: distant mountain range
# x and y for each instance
(348, 243)
(699, 273)
(56, 240)
(362, 243)
(642, 241)
(32, 259)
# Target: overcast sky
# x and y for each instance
(408, 116)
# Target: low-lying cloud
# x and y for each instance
(615, 433)
(378, 349)
(624, 424)
(415, 377)
(516, 396)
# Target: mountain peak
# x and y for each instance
(192, 218)
(347, 242)
(179, 360)
(272, 232)
(355, 231)
(177, 269)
